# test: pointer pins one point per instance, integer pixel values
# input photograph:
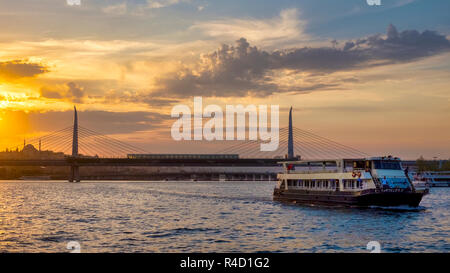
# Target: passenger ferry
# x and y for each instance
(377, 181)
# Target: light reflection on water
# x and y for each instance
(205, 217)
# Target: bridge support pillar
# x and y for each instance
(74, 174)
(74, 168)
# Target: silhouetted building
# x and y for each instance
(30, 152)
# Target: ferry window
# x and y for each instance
(377, 164)
(358, 164)
(392, 165)
(387, 165)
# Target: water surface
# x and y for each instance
(43, 216)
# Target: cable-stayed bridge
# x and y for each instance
(78, 146)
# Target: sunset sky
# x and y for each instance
(376, 78)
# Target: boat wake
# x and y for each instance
(399, 208)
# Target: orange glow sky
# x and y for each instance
(125, 64)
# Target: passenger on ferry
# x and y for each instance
(359, 182)
(384, 182)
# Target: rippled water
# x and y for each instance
(205, 217)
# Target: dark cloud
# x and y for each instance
(71, 91)
(20, 69)
(114, 97)
(229, 71)
(100, 91)
(51, 94)
(75, 91)
(243, 69)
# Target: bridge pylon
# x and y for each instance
(290, 137)
(74, 168)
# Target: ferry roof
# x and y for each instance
(322, 160)
(339, 159)
(385, 158)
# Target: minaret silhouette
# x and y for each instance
(291, 137)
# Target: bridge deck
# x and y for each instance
(142, 162)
